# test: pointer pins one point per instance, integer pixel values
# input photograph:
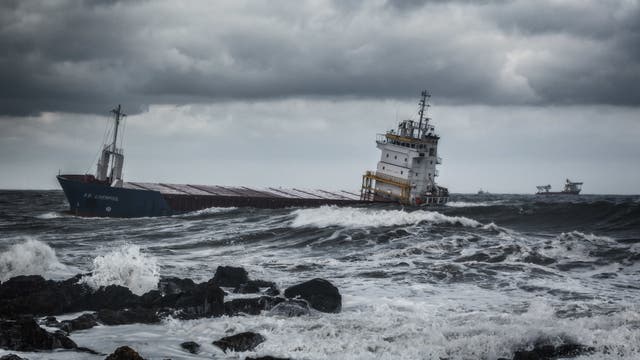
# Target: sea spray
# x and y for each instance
(31, 257)
(361, 217)
(125, 266)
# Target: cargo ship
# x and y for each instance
(405, 175)
(570, 188)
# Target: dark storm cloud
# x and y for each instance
(74, 56)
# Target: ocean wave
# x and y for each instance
(49, 215)
(473, 204)
(349, 217)
(125, 266)
(31, 257)
(207, 211)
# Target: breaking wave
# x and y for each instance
(207, 211)
(49, 215)
(125, 266)
(472, 204)
(361, 217)
(31, 257)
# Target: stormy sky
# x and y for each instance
(292, 93)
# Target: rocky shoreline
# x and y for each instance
(29, 302)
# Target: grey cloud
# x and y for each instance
(75, 56)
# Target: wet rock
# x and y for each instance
(24, 334)
(191, 347)
(547, 352)
(50, 321)
(204, 300)
(246, 289)
(291, 308)
(272, 291)
(11, 357)
(82, 322)
(111, 297)
(36, 296)
(240, 342)
(229, 276)
(174, 285)
(319, 293)
(252, 306)
(151, 299)
(124, 353)
(255, 286)
(128, 316)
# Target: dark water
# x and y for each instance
(477, 279)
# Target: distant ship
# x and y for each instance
(483, 192)
(570, 188)
(406, 174)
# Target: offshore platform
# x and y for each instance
(406, 174)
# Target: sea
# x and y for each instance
(479, 278)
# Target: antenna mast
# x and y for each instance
(423, 103)
(119, 115)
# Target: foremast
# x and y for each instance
(109, 168)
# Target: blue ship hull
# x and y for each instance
(102, 200)
(90, 197)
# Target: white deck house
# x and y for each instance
(407, 170)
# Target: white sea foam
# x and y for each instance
(577, 245)
(472, 204)
(31, 257)
(360, 217)
(212, 210)
(49, 215)
(126, 266)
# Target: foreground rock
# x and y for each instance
(128, 316)
(546, 352)
(82, 322)
(174, 285)
(204, 300)
(37, 296)
(34, 295)
(319, 293)
(550, 352)
(190, 346)
(291, 308)
(124, 353)
(240, 342)
(11, 357)
(251, 306)
(25, 334)
(229, 276)
(183, 298)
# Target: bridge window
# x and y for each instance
(396, 157)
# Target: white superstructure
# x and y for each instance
(111, 160)
(407, 170)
